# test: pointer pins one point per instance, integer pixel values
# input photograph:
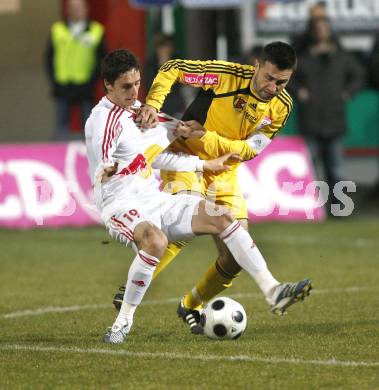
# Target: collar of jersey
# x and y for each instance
(110, 104)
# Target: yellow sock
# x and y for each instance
(212, 283)
(172, 251)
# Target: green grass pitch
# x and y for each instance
(56, 288)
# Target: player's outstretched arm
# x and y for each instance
(189, 129)
(221, 164)
(214, 144)
(198, 74)
(181, 162)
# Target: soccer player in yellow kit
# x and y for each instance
(239, 108)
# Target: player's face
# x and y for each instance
(124, 91)
(268, 81)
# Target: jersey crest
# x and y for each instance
(239, 103)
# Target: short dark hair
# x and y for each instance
(118, 62)
(279, 54)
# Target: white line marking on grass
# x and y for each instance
(63, 309)
(176, 356)
(51, 309)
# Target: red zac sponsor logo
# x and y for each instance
(239, 103)
(139, 283)
(202, 79)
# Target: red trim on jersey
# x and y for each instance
(123, 229)
(125, 235)
(110, 101)
(109, 131)
(120, 222)
(112, 131)
(105, 131)
(148, 260)
(233, 230)
(163, 119)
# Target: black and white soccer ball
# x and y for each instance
(223, 319)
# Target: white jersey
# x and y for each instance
(112, 136)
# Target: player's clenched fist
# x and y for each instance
(222, 164)
(147, 117)
(109, 172)
(189, 129)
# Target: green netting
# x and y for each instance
(363, 120)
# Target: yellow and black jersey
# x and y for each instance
(226, 105)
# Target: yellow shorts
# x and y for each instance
(223, 189)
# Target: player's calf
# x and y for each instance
(151, 243)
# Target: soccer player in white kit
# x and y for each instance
(133, 208)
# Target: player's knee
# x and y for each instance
(157, 246)
(152, 240)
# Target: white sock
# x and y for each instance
(248, 256)
(125, 316)
(139, 278)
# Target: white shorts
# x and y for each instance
(170, 213)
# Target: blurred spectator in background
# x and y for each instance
(76, 46)
(327, 77)
(374, 64)
(164, 50)
(301, 42)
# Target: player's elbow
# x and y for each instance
(248, 154)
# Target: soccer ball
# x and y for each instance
(223, 318)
